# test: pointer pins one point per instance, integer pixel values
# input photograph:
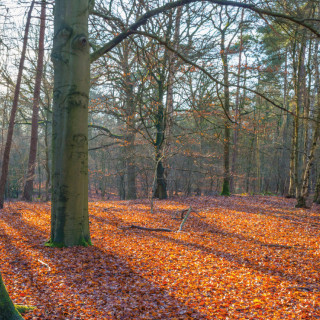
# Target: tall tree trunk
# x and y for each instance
(7, 309)
(7, 149)
(172, 61)
(299, 79)
(47, 166)
(237, 114)
(284, 127)
(293, 158)
(300, 90)
(70, 55)
(130, 135)
(304, 192)
(226, 147)
(160, 186)
(28, 187)
(131, 166)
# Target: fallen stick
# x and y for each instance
(185, 219)
(147, 229)
(45, 264)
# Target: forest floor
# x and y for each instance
(242, 257)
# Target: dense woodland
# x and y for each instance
(126, 100)
(213, 98)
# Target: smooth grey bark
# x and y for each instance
(7, 149)
(28, 187)
(70, 55)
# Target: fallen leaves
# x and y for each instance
(245, 258)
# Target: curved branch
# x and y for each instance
(110, 134)
(145, 17)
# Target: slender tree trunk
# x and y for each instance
(249, 164)
(284, 127)
(292, 185)
(130, 146)
(237, 116)
(171, 74)
(130, 124)
(304, 192)
(160, 186)
(299, 75)
(28, 187)
(6, 154)
(7, 308)
(299, 107)
(47, 166)
(121, 172)
(226, 148)
(131, 167)
(70, 55)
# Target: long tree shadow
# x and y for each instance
(245, 261)
(92, 281)
(24, 270)
(266, 256)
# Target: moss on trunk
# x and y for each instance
(7, 308)
(70, 55)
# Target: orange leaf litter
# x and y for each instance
(238, 258)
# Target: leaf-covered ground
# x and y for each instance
(237, 258)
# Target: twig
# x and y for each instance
(185, 219)
(147, 229)
(45, 264)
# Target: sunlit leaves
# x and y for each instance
(244, 258)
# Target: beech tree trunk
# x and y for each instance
(70, 55)
(7, 308)
(7, 149)
(28, 187)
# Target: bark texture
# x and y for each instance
(28, 187)
(69, 215)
